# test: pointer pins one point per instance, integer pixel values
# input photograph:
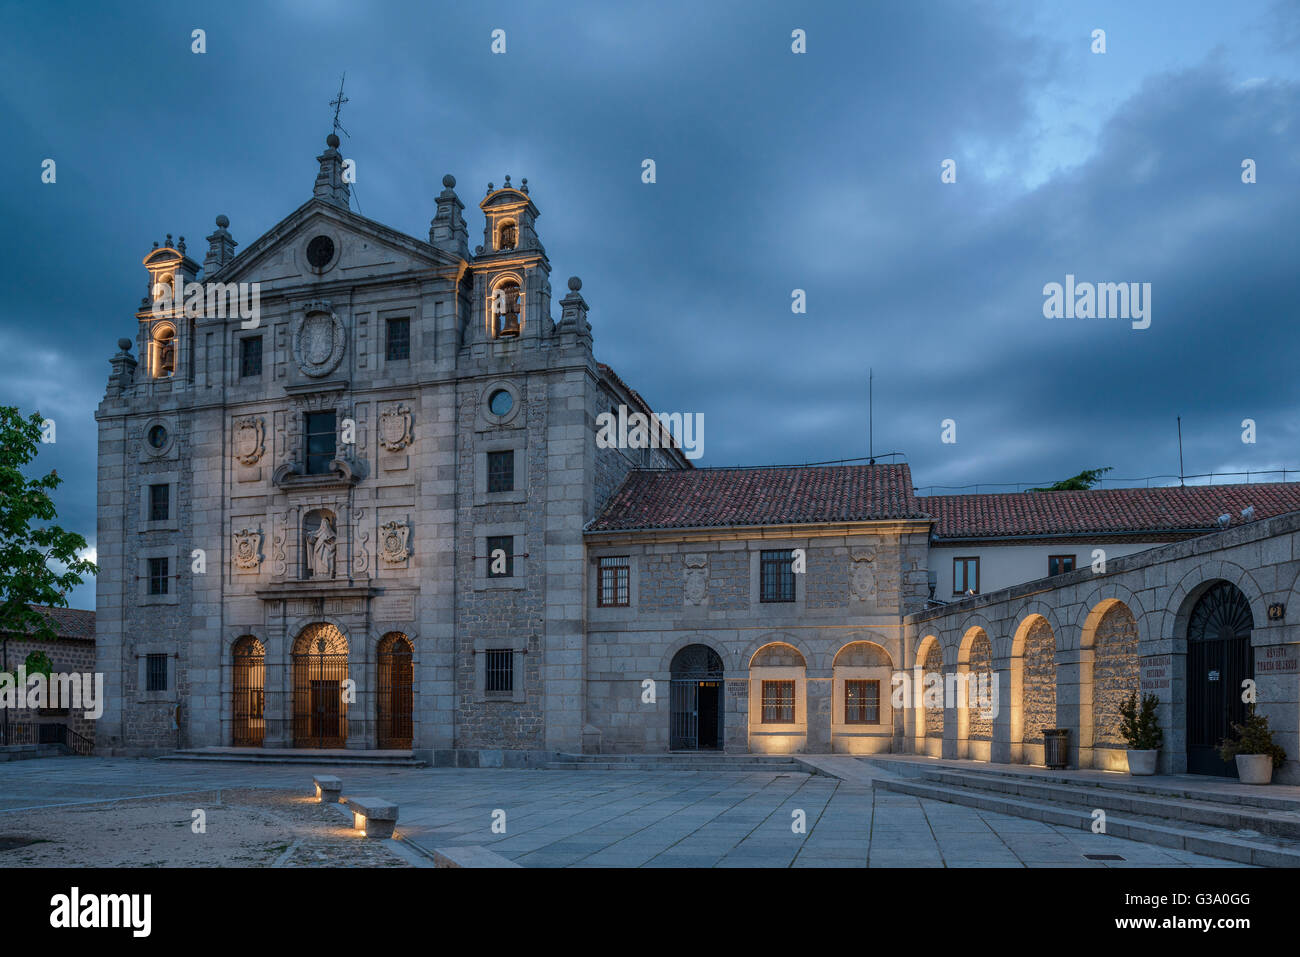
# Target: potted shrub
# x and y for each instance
(1141, 730)
(1253, 748)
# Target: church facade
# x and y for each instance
(351, 495)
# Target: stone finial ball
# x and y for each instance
(332, 141)
(449, 181)
(223, 221)
(575, 283)
(124, 345)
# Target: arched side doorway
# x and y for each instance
(1219, 659)
(249, 687)
(320, 668)
(395, 698)
(696, 702)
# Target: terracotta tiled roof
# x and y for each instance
(70, 622)
(713, 498)
(1108, 511)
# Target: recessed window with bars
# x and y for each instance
(499, 671)
(159, 503)
(501, 556)
(155, 670)
(399, 339)
(250, 357)
(862, 701)
(776, 575)
(321, 438)
(778, 702)
(614, 573)
(157, 576)
(501, 471)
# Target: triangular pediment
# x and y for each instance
(352, 246)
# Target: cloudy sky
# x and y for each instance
(776, 171)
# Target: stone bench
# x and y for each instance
(328, 788)
(375, 815)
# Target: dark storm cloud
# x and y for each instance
(775, 172)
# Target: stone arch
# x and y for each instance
(1195, 583)
(675, 647)
(1112, 638)
(862, 718)
(1091, 609)
(320, 662)
(929, 718)
(510, 321)
(1033, 670)
(779, 702)
(697, 703)
(750, 651)
(778, 654)
(975, 668)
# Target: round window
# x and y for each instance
(320, 251)
(501, 402)
(158, 437)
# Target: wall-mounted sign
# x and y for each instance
(1276, 611)
(1214, 676)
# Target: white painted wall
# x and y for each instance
(1002, 566)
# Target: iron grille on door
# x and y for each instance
(249, 694)
(396, 673)
(320, 668)
(693, 668)
(1219, 659)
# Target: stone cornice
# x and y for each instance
(750, 532)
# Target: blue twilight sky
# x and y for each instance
(818, 171)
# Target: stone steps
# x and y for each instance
(398, 759)
(1229, 831)
(675, 762)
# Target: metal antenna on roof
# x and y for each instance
(1180, 451)
(871, 439)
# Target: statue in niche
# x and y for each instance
(320, 548)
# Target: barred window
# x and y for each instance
(250, 357)
(501, 471)
(399, 339)
(159, 503)
(613, 582)
(778, 702)
(861, 701)
(155, 673)
(776, 576)
(321, 442)
(496, 567)
(157, 576)
(499, 671)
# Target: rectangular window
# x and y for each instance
(499, 671)
(320, 442)
(159, 503)
(965, 576)
(1059, 564)
(861, 702)
(501, 556)
(778, 702)
(399, 339)
(157, 576)
(155, 673)
(250, 357)
(501, 471)
(613, 582)
(776, 576)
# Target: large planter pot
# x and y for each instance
(1142, 762)
(1255, 768)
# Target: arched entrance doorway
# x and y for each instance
(1219, 659)
(320, 668)
(696, 701)
(249, 705)
(396, 674)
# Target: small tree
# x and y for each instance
(1252, 736)
(1086, 479)
(29, 545)
(1141, 728)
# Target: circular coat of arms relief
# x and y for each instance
(319, 340)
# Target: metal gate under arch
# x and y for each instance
(249, 690)
(1219, 659)
(696, 703)
(320, 670)
(396, 698)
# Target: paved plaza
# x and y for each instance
(612, 818)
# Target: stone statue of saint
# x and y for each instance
(320, 553)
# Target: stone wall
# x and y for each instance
(980, 728)
(934, 714)
(67, 656)
(1039, 681)
(1114, 673)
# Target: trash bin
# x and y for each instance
(1056, 747)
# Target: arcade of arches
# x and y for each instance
(310, 699)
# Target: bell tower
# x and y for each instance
(512, 274)
(165, 338)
